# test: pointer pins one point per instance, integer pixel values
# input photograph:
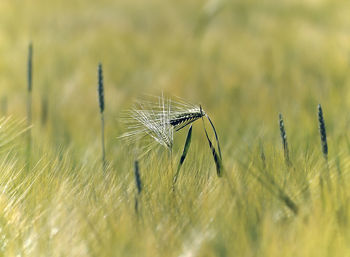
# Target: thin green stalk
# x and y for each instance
(29, 100)
(44, 110)
(102, 107)
(103, 142)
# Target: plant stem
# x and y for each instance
(29, 101)
(103, 142)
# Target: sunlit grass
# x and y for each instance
(245, 61)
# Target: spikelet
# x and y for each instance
(100, 88)
(322, 129)
(284, 140)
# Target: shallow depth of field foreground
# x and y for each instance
(282, 192)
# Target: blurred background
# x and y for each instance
(244, 61)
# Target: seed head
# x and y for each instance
(157, 118)
(100, 88)
(322, 129)
(137, 177)
(30, 66)
(284, 139)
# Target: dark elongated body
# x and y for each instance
(182, 120)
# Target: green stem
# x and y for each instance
(103, 142)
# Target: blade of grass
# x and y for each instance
(216, 135)
(217, 158)
(29, 100)
(184, 154)
(270, 185)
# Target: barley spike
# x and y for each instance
(322, 129)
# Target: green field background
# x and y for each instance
(243, 61)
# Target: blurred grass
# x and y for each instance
(244, 61)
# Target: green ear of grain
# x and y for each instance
(184, 153)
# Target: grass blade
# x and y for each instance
(29, 100)
(216, 135)
(217, 158)
(184, 153)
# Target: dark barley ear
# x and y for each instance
(100, 88)
(137, 177)
(182, 120)
(30, 66)
(217, 158)
(284, 139)
(322, 129)
(184, 154)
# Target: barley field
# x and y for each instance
(273, 75)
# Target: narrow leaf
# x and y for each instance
(217, 158)
(216, 135)
(184, 153)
